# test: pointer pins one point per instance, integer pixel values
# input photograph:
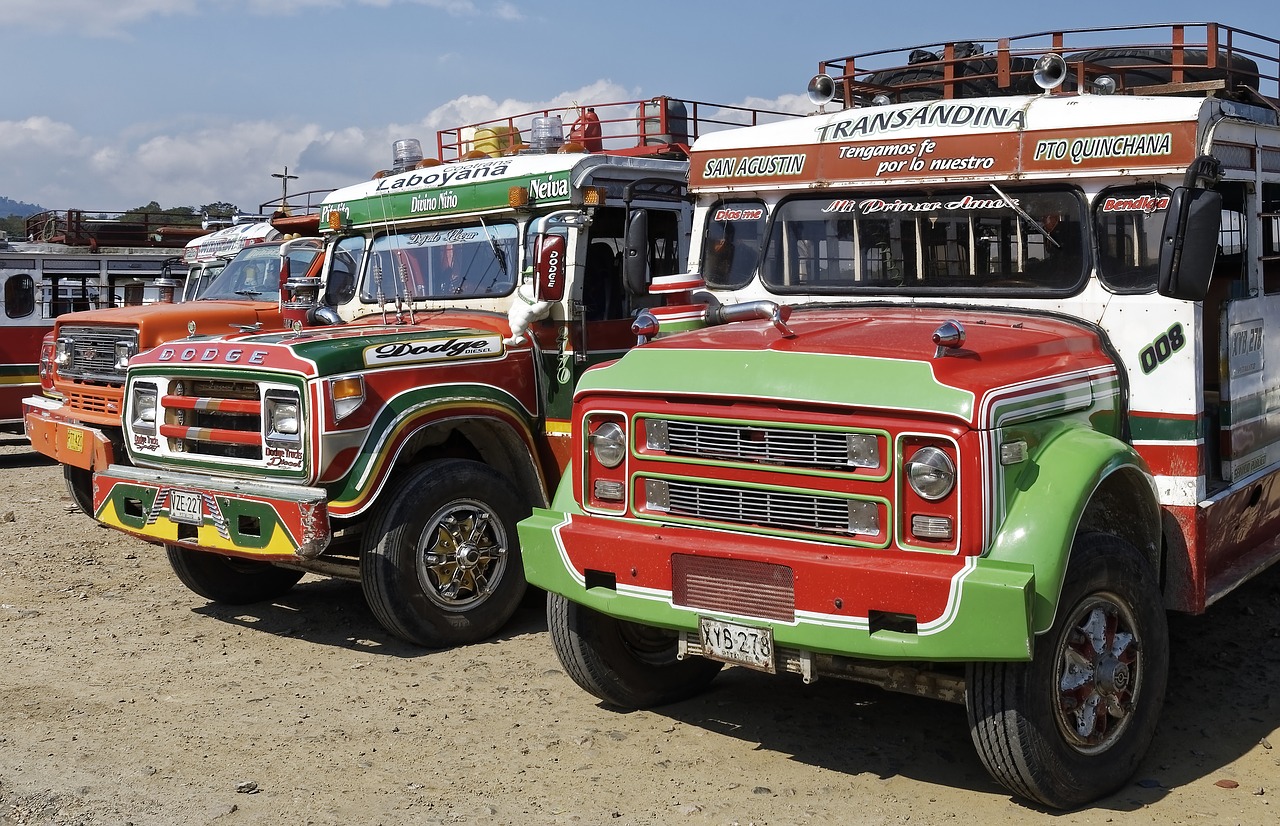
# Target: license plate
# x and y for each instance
(740, 644)
(185, 506)
(75, 440)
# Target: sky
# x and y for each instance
(112, 104)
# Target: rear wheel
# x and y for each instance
(229, 579)
(441, 562)
(1072, 724)
(622, 663)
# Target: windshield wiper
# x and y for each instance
(498, 254)
(248, 292)
(1022, 213)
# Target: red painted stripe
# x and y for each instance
(210, 434)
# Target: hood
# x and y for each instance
(325, 351)
(157, 323)
(877, 357)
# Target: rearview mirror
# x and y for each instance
(635, 258)
(548, 267)
(1189, 243)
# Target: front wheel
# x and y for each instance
(441, 561)
(228, 579)
(1072, 724)
(79, 484)
(622, 663)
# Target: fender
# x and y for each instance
(396, 432)
(1074, 472)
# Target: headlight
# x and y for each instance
(609, 444)
(125, 350)
(142, 407)
(931, 473)
(283, 417)
(62, 352)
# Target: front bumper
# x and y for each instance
(256, 520)
(63, 439)
(829, 601)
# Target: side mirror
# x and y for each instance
(1189, 243)
(635, 257)
(548, 267)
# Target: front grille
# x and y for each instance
(213, 418)
(761, 444)
(91, 352)
(87, 401)
(764, 508)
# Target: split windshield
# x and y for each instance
(475, 260)
(254, 274)
(986, 238)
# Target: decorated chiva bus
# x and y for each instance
(416, 405)
(232, 281)
(70, 260)
(980, 385)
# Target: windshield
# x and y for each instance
(254, 274)
(476, 260)
(199, 278)
(984, 239)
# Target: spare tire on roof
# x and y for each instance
(1152, 67)
(925, 79)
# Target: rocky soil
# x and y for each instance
(126, 699)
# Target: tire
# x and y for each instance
(1145, 67)
(441, 561)
(79, 484)
(230, 580)
(1027, 719)
(926, 80)
(625, 664)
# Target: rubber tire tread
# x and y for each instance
(79, 484)
(385, 569)
(1243, 69)
(227, 580)
(593, 654)
(1009, 708)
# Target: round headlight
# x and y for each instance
(609, 444)
(931, 473)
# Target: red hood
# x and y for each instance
(1000, 348)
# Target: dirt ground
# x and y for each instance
(126, 699)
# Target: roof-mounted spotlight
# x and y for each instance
(1103, 85)
(1050, 71)
(881, 100)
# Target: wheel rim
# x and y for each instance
(461, 555)
(1099, 673)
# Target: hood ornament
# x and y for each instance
(948, 338)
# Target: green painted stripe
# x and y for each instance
(882, 384)
(1153, 429)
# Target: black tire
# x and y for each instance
(79, 484)
(230, 580)
(622, 663)
(1072, 724)
(925, 80)
(441, 561)
(1146, 67)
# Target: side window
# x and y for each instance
(664, 243)
(1271, 238)
(731, 246)
(1128, 221)
(19, 296)
(343, 271)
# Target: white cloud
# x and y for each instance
(63, 168)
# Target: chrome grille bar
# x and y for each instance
(760, 444)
